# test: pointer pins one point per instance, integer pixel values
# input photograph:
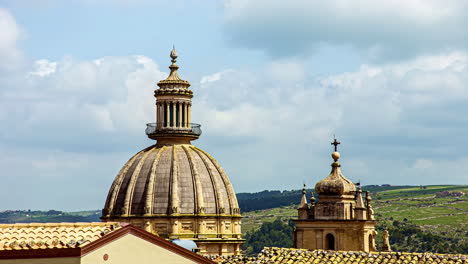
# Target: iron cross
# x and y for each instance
(336, 143)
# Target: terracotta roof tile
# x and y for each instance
(52, 235)
(274, 255)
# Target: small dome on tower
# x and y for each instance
(335, 183)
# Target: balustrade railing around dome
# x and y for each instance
(160, 128)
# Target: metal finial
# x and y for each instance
(304, 189)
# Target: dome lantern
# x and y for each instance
(173, 110)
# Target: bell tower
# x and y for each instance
(339, 220)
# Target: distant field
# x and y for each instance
(422, 207)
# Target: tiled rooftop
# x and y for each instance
(52, 235)
(295, 256)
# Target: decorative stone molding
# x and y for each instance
(174, 210)
(201, 210)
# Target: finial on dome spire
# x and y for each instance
(335, 155)
(173, 79)
(174, 54)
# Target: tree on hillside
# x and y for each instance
(270, 234)
(409, 237)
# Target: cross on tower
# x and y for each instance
(336, 143)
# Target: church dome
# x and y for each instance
(335, 183)
(178, 179)
(174, 189)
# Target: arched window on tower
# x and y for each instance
(372, 243)
(330, 242)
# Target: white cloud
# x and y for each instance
(81, 99)
(260, 128)
(73, 121)
(55, 179)
(386, 116)
(214, 77)
(44, 68)
(380, 29)
(399, 122)
(10, 55)
(287, 71)
(59, 161)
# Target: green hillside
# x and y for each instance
(270, 199)
(419, 218)
(424, 207)
(420, 206)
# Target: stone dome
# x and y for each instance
(335, 183)
(179, 179)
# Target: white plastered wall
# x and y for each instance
(132, 249)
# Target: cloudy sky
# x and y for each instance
(273, 81)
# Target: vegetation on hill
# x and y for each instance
(51, 216)
(419, 219)
(270, 199)
(270, 234)
(409, 237)
(267, 199)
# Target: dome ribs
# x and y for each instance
(141, 186)
(151, 184)
(209, 199)
(173, 188)
(116, 185)
(162, 181)
(198, 191)
(219, 206)
(175, 180)
(131, 184)
(233, 204)
(186, 184)
(214, 187)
